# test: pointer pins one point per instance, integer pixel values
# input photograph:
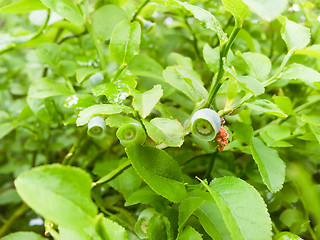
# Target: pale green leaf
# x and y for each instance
(165, 131)
(172, 76)
(295, 35)
(146, 101)
(143, 65)
(23, 6)
(251, 84)
(263, 105)
(243, 209)
(267, 9)
(212, 57)
(105, 19)
(47, 190)
(270, 165)
(313, 51)
(73, 234)
(193, 79)
(83, 73)
(159, 170)
(67, 9)
(238, 9)
(300, 72)
(125, 41)
(23, 236)
(45, 88)
(100, 109)
(206, 19)
(259, 65)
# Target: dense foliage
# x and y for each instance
(154, 119)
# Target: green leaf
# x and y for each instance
(243, 209)
(206, 19)
(24, 236)
(59, 193)
(212, 57)
(146, 196)
(259, 65)
(242, 132)
(6, 128)
(159, 170)
(145, 102)
(316, 131)
(83, 73)
(165, 131)
(270, 165)
(295, 35)
(193, 79)
(105, 19)
(125, 41)
(268, 10)
(9, 196)
(263, 105)
(159, 228)
(143, 65)
(49, 53)
(186, 209)
(190, 234)
(23, 6)
(286, 236)
(69, 233)
(212, 222)
(300, 72)
(116, 92)
(100, 109)
(238, 9)
(313, 51)
(171, 76)
(108, 229)
(45, 88)
(284, 103)
(119, 120)
(67, 9)
(253, 85)
(273, 135)
(127, 183)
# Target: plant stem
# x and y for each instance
(223, 55)
(18, 213)
(97, 44)
(40, 31)
(69, 155)
(195, 40)
(113, 174)
(209, 169)
(119, 71)
(139, 10)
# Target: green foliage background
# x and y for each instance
(154, 64)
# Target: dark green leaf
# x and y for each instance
(159, 170)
